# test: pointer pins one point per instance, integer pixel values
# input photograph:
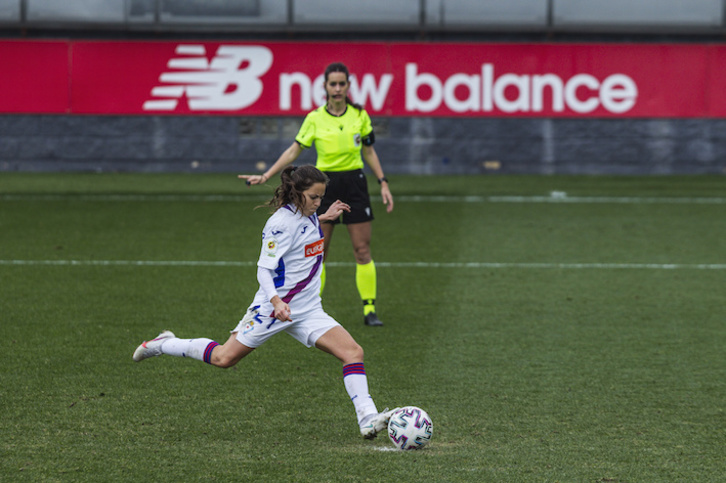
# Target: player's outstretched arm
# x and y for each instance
(287, 157)
(335, 210)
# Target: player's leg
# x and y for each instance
(201, 349)
(365, 270)
(230, 353)
(208, 351)
(338, 342)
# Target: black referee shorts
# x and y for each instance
(349, 187)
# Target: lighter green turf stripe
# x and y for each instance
(562, 198)
(652, 266)
(475, 265)
(129, 197)
(555, 197)
(141, 263)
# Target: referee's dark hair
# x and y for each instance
(340, 67)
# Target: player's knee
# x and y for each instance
(354, 353)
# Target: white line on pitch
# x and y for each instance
(471, 265)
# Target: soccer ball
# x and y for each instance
(410, 428)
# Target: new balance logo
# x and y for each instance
(228, 82)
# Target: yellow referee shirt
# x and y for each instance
(337, 139)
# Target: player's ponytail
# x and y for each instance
(293, 181)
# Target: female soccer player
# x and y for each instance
(288, 299)
(341, 131)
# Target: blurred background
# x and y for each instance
(77, 75)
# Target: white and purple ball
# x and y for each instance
(410, 428)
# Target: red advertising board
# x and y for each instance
(35, 77)
(391, 79)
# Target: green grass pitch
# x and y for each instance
(555, 328)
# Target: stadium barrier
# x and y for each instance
(438, 108)
(412, 16)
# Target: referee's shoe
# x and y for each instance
(372, 320)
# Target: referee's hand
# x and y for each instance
(251, 179)
(387, 197)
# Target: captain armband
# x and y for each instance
(369, 139)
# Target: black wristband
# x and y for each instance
(381, 180)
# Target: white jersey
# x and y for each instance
(292, 246)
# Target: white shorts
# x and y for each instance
(254, 329)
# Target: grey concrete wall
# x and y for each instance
(405, 145)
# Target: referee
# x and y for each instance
(341, 132)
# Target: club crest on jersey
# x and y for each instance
(315, 249)
(356, 140)
(271, 247)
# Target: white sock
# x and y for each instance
(356, 383)
(199, 349)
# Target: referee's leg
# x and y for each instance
(365, 272)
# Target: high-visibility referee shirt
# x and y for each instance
(338, 140)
